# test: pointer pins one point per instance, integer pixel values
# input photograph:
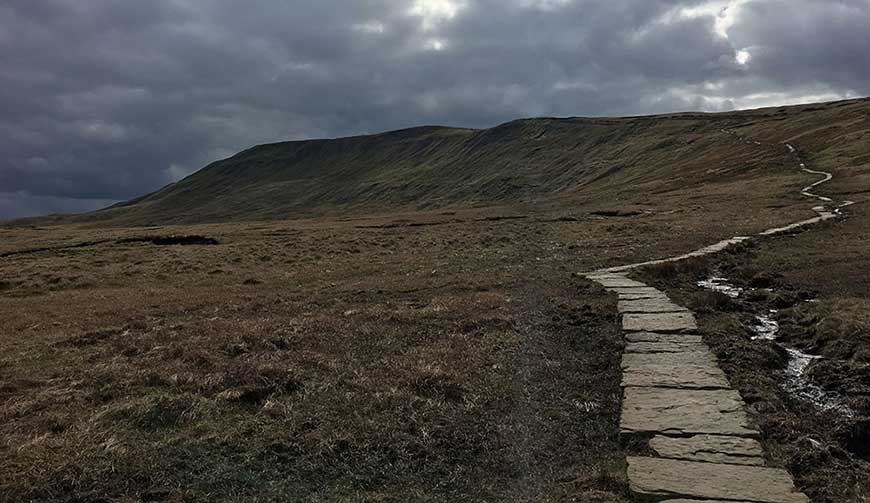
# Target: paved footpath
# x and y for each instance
(676, 395)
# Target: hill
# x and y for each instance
(518, 162)
(398, 350)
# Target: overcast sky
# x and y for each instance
(104, 100)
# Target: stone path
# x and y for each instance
(676, 395)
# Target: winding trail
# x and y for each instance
(677, 397)
(827, 177)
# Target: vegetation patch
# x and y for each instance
(362, 364)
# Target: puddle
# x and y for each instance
(796, 383)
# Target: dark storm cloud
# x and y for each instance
(105, 100)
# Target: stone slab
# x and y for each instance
(684, 411)
(616, 281)
(605, 275)
(665, 347)
(659, 322)
(704, 501)
(643, 292)
(654, 337)
(672, 376)
(710, 449)
(703, 358)
(635, 296)
(656, 477)
(653, 305)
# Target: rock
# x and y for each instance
(710, 449)
(654, 337)
(616, 281)
(703, 501)
(659, 322)
(675, 376)
(633, 296)
(658, 477)
(704, 358)
(642, 292)
(665, 347)
(653, 305)
(684, 411)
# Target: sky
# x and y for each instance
(105, 100)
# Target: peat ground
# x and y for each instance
(441, 355)
(362, 361)
(423, 356)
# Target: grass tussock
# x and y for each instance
(706, 301)
(671, 273)
(152, 412)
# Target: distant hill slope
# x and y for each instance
(434, 167)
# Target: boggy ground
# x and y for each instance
(433, 356)
(816, 279)
(369, 360)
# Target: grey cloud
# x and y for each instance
(105, 100)
(795, 43)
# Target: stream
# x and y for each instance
(765, 326)
(795, 382)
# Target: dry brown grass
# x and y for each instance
(674, 272)
(432, 356)
(386, 364)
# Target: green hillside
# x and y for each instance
(520, 161)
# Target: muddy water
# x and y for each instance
(796, 382)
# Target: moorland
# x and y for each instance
(404, 316)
